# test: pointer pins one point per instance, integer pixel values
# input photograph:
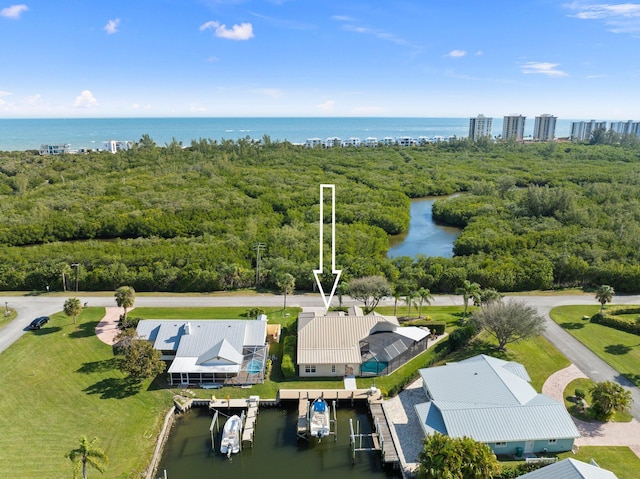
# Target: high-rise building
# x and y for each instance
(480, 127)
(544, 128)
(582, 130)
(622, 127)
(513, 127)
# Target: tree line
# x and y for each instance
(187, 217)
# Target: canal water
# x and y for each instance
(277, 452)
(424, 236)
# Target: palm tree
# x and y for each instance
(468, 291)
(608, 397)
(424, 295)
(125, 298)
(72, 307)
(408, 299)
(88, 454)
(604, 295)
(287, 283)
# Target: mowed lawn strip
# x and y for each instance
(619, 349)
(60, 383)
(618, 459)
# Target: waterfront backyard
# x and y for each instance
(61, 383)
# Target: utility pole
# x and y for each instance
(77, 267)
(258, 246)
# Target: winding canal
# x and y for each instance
(276, 453)
(425, 236)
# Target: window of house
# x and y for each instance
(501, 444)
(310, 368)
(333, 368)
(553, 441)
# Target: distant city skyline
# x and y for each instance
(310, 58)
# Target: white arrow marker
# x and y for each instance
(334, 271)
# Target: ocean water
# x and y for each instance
(29, 134)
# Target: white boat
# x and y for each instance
(319, 421)
(231, 435)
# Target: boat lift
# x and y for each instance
(215, 427)
(372, 441)
(304, 420)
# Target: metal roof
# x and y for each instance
(570, 469)
(490, 400)
(202, 339)
(335, 339)
(484, 380)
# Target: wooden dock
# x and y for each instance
(302, 426)
(384, 440)
(326, 394)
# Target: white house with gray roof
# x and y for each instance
(209, 351)
(492, 401)
(570, 469)
(355, 344)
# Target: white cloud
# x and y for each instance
(86, 100)
(112, 26)
(137, 106)
(327, 106)
(479, 53)
(33, 99)
(619, 18)
(457, 53)
(272, 92)
(543, 68)
(341, 18)
(14, 11)
(5, 93)
(244, 31)
(213, 59)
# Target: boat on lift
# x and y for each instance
(319, 419)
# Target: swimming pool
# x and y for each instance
(254, 366)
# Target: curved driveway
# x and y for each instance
(28, 307)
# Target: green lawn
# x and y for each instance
(6, 319)
(452, 315)
(618, 459)
(617, 348)
(58, 384)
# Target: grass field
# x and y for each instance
(617, 348)
(60, 383)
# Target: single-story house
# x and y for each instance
(570, 469)
(355, 344)
(492, 401)
(210, 352)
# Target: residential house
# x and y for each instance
(204, 352)
(114, 146)
(371, 345)
(491, 401)
(59, 149)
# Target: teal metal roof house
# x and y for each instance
(491, 401)
(570, 469)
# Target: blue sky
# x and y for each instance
(417, 58)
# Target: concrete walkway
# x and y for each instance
(107, 329)
(593, 433)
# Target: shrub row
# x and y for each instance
(616, 323)
(288, 354)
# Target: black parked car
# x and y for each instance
(39, 322)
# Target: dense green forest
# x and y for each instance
(176, 218)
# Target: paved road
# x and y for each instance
(28, 307)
